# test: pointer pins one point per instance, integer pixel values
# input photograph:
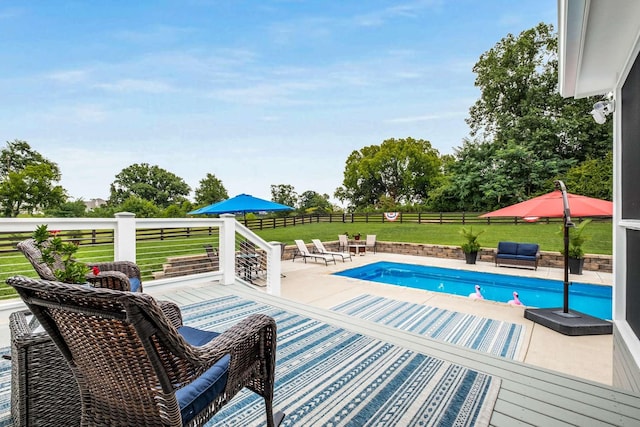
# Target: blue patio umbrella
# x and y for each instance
(242, 203)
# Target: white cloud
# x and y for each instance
(155, 35)
(69, 76)
(427, 117)
(406, 10)
(76, 114)
(136, 85)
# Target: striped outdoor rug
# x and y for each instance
(326, 376)
(490, 336)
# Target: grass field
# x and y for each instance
(548, 236)
(152, 254)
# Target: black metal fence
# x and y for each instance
(462, 218)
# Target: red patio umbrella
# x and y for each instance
(557, 204)
(550, 205)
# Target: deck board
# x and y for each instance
(500, 419)
(526, 415)
(533, 403)
(552, 403)
(529, 395)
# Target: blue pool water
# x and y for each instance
(542, 293)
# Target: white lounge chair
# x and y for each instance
(304, 253)
(322, 250)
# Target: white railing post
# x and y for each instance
(228, 249)
(124, 238)
(274, 267)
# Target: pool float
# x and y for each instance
(515, 300)
(476, 294)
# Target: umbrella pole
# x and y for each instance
(566, 224)
(566, 266)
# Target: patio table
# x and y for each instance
(358, 248)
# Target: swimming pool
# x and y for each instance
(542, 293)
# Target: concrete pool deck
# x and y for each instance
(312, 284)
(588, 357)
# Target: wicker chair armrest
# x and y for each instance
(115, 280)
(251, 344)
(130, 269)
(172, 312)
(18, 324)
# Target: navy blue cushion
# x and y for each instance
(508, 248)
(506, 256)
(196, 396)
(135, 284)
(527, 249)
(526, 257)
(196, 337)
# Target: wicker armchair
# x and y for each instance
(173, 376)
(119, 275)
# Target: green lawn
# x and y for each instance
(151, 254)
(548, 236)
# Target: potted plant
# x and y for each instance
(356, 236)
(576, 253)
(471, 246)
(56, 252)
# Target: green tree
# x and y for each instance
(18, 155)
(27, 180)
(141, 207)
(177, 211)
(525, 134)
(211, 190)
(398, 170)
(68, 209)
(284, 194)
(151, 183)
(313, 202)
(173, 211)
(593, 178)
(104, 211)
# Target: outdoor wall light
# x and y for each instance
(602, 109)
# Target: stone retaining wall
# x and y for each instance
(184, 265)
(547, 259)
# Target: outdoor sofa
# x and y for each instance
(518, 254)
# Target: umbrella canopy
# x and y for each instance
(242, 203)
(550, 205)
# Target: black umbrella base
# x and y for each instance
(572, 323)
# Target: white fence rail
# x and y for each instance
(178, 237)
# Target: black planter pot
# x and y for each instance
(575, 265)
(471, 257)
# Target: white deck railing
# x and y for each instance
(126, 227)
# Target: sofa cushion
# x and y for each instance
(507, 248)
(506, 256)
(196, 337)
(196, 396)
(527, 249)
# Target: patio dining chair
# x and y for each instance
(134, 367)
(370, 243)
(118, 275)
(343, 242)
(249, 262)
(212, 256)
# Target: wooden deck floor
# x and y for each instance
(529, 396)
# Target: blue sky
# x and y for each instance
(255, 92)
